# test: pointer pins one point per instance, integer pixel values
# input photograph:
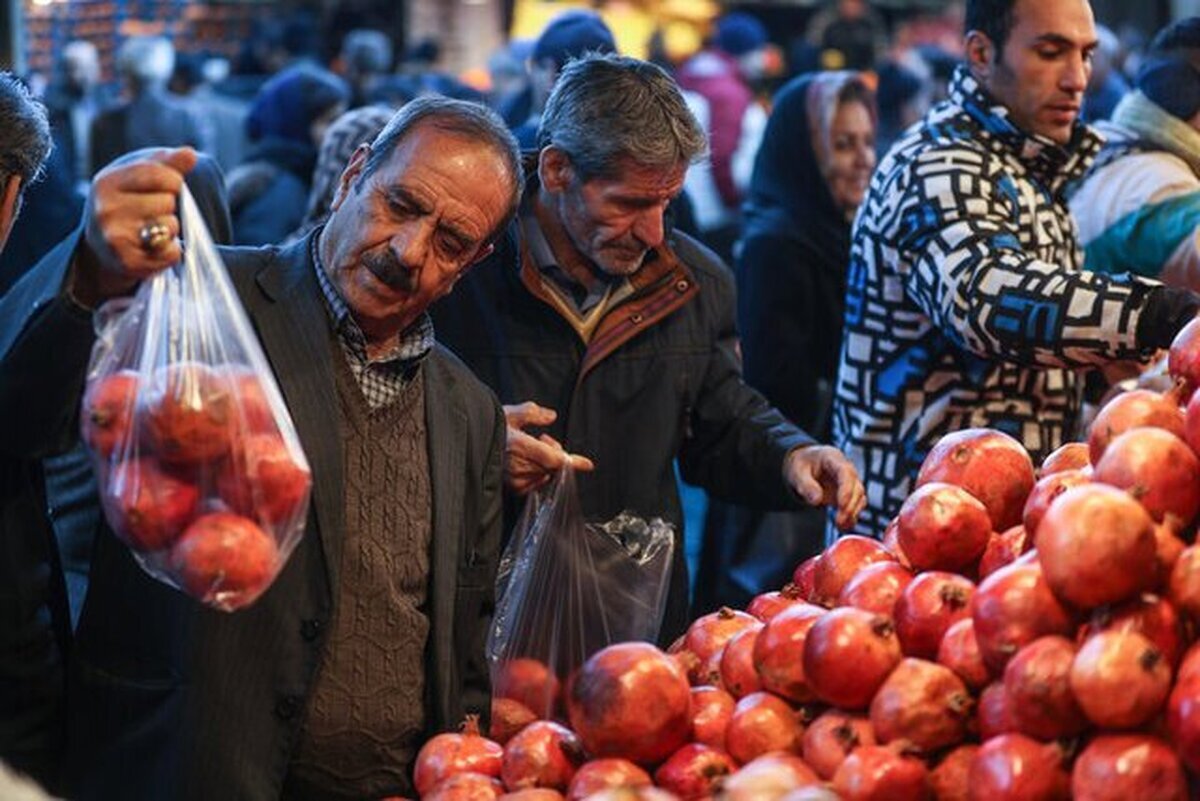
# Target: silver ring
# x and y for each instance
(154, 236)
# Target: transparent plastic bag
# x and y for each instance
(567, 588)
(198, 463)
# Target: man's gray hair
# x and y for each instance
(467, 119)
(607, 108)
(24, 132)
(146, 60)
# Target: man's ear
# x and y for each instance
(10, 207)
(981, 54)
(350, 175)
(555, 171)
(483, 253)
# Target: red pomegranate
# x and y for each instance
(951, 779)
(149, 507)
(1119, 767)
(988, 464)
(776, 651)
(447, 754)
(762, 723)
(1003, 548)
(108, 405)
(802, 577)
(1191, 423)
(1071, 456)
(529, 682)
(891, 541)
(257, 416)
(533, 794)
(1136, 408)
(876, 587)
(1096, 545)
(466, 787)
(630, 700)
(189, 413)
(633, 794)
(768, 604)
(1158, 469)
(993, 714)
(1151, 616)
(708, 634)
(1037, 686)
(847, 655)
(1120, 679)
(263, 480)
(777, 776)
(830, 738)
(943, 527)
(225, 560)
(959, 651)
(543, 754)
(1183, 357)
(1183, 716)
(738, 674)
(880, 773)
(712, 708)
(1044, 493)
(1167, 548)
(1013, 607)
(694, 771)
(508, 718)
(840, 562)
(922, 704)
(601, 774)
(1013, 767)
(934, 601)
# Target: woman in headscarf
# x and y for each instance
(268, 193)
(810, 176)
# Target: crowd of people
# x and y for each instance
(787, 287)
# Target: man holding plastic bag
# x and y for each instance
(372, 634)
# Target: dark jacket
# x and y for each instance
(268, 194)
(156, 118)
(659, 381)
(170, 699)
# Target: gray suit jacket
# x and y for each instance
(169, 699)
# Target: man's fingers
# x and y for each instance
(579, 463)
(528, 414)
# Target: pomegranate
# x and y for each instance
(1136, 408)
(988, 464)
(770, 777)
(880, 773)
(257, 417)
(1183, 357)
(847, 655)
(1191, 430)
(263, 480)
(694, 771)
(951, 779)
(530, 683)
(1037, 685)
(108, 404)
(1044, 493)
(1119, 767)
(959, 651)
(447, 754)
(1013, 607)
(508, 718)
(1013, 767)
(777, 648)
(707, 635)
(762, 723)
(1149, 615)
(1120, 679)
(891, 541)
(225, 560)
(630, 700)
(533, 794)
(189, 413)
(633, 794)
(712, 708)
(993, 713)
(831, 737)
(768, 604)
(1167, 548)
(466, 787)
(813, 792)
(1183, 717)
(738, 674)
(840, 562)
(1096, 546)
(148, 507)
(1003, 548)
(802, 577)
(1158, 469)
(922, 704)
(943, 527)
(933, 602)
(600, 774)
(876, 587)
(1070, 456)
(543, 754)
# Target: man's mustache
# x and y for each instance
(388, 269)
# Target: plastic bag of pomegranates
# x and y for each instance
(199, 466)
(567, 587)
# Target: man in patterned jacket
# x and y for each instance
(967, 304)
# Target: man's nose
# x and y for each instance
(649, 227)
(410, 246)
(1076, 73)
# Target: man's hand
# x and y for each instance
(124, 198)
(823, 476)
(529, 461)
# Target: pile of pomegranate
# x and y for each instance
(196, 477)
(1018, 634)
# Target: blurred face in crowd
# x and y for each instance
(851, 157)
(610, 222)
(1043, 70)
(399, 238)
